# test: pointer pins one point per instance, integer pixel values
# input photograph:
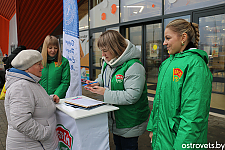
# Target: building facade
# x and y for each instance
(143, 22)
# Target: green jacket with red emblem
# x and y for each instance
(134, 114)
(56, 79)
(124, 81)
(182, 101)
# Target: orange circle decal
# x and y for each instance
(103, 16)
(113, 8)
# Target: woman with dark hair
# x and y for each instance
(122, 82)
(182, 101)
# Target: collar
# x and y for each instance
(22, 72)
(189, 46)
(50, 59)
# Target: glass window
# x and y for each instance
(84, 48)
(139, 9)
(134, 34)
(97, 54)
(173, 6)
(94, 3)
(212, 40)
(103, 12)
(114, 28)
(153, 55)
(166, 21)
(83, 15)
(96, 72)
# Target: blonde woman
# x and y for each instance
(55, 77)
(182, 101)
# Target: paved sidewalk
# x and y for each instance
(216, 129)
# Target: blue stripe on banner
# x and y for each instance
(74, 34)
(70, 18)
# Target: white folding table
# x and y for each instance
(80, 129)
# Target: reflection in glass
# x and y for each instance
(212, 40)
(96, 72)
(103, 12)
(94, 3)
(153, 55)
(97, 54)
(139, 9)
(84, 48)
(114, 28)
(134, 34)
(83, 15)
(166, 21)
(173, 6)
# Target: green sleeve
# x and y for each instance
(195, 105)
(150, 122)
(65, 81)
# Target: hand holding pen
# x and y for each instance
(90, 84)
(94, 87)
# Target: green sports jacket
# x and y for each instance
(182, 102)
(134, 114)
(56, 79)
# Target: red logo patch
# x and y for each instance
(56, 63)
(119, 78)
(177, 73)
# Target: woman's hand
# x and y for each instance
(91, 84)
(97, 89)
(150, 135)
(56, 99)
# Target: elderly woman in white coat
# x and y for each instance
(29, 109)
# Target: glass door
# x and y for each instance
(153, 55)
(134, 35)
(148, 39)
(95, 54)
(212, 40)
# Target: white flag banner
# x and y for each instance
(71, 48)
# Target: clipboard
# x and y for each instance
(84, 103)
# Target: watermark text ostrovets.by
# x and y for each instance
(208, 145)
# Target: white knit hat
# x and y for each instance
(26, 58)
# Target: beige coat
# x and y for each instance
(30, 113)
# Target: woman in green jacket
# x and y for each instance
(55, 77)
(122, 83)
(179, 118)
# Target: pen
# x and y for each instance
(90, 83)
